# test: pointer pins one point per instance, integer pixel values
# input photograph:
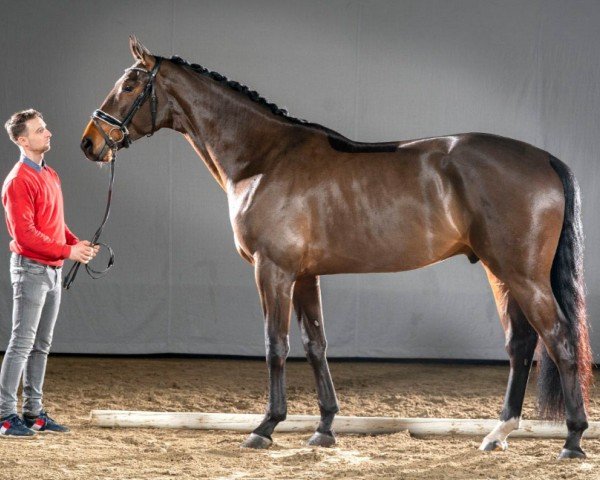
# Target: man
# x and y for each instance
(41, 240)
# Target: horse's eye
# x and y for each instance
(128, 88)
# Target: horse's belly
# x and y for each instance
(397, 246)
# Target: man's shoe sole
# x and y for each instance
(52, 432)
(18, 437)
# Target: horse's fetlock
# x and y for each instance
(577, 425)
(278, 417)
(329, 410)
(334, 409)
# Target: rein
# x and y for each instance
(113, 145)
(96, 274)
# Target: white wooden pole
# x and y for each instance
(242, 422)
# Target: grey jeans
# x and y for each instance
(36, 299)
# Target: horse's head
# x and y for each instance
(131, 110)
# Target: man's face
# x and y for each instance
(37, 136)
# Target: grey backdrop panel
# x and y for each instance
(373, 70)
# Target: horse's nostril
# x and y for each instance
(87, 145)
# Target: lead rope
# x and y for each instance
(96, 274)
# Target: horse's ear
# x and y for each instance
(139, 52)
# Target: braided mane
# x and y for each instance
(251, 94)
(337, 141)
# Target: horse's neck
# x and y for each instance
(235, 137)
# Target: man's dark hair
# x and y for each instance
(15, 125)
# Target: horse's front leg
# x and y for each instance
(275, 289)
(307, 303)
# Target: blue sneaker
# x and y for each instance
(13, 426)
(43, 423)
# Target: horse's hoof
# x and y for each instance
(256, 441)
(487, 446)
(566, 453)
(322, 439)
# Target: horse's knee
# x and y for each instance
(315, 350)
(277, 350)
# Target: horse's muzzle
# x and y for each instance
(87, 145)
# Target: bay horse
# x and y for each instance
(305, 201)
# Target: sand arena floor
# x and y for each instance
(76, 385)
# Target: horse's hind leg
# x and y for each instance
(541, 308)
(521, 340)
(307, 303)
(275, 288)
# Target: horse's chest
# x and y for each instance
(241, 199)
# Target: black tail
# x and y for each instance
(569, 289)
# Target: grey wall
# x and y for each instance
(373, 70)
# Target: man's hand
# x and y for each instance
(83, 251)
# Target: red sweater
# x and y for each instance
(35, 218)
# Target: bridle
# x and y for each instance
(120, 126)
(124, 141)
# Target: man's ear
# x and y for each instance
(140, 53)
(22, 141)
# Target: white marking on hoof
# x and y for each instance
(492, 446)
(566, 454)
(496, 439)
(256, 441)
(321, 440)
